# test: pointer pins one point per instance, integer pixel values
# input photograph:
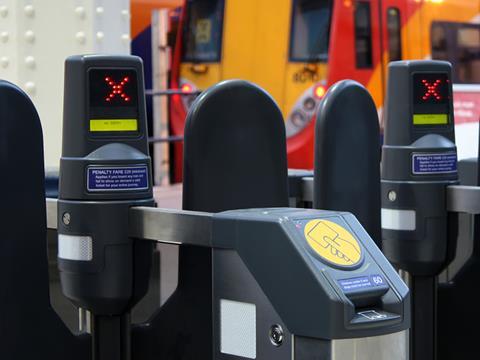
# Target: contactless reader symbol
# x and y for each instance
(332, 242)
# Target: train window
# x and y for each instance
(363, 35)
(458, 43)
(202, 33)
(439, 42)
(394, 34)
(310, 30)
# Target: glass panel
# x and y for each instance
(363, 35)
(458, 43)
(202, 33)
(439, 42)
(310, 30)
(394, 34)
(469, 37)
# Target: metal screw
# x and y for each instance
(66, 218)
(276, 335)
(392, 195)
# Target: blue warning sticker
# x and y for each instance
(436, 163)
(361, 283)
(118, 178)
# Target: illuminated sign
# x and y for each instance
(431, 99)
(431, 90)
(112, 88)
(113, 101)
(113, 125)
(117, 89)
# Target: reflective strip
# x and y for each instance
(75, 247)
(238, 329)
(393, 219)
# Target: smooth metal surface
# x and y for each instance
(171, 226)
(84, 321)
(163, 225)
(167, 139)
(460, 198)
(391, 347)
(170, 92)
(51, 213)
(307, 189)
(463, 199)
(406, 277)
(161, 68)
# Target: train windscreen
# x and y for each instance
(202, 32)
(310, 30)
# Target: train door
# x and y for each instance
(393, 19)
(356, 41)
(393, 32)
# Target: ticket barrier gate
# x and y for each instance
(245, 177)
(419, 164)
(456, 337)
(347, 178)
(424, 210)
(298, 278)
(420, 187)
(215, 111)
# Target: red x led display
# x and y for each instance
(431, 88)
(112, 88)
(117, 89)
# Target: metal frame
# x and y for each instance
(167, 226)
(460, 198)
(195, 228)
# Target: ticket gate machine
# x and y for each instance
(104, 170)
(253, 179)
(287, 282)
(419, 163)
(457, 337)
(238, 176)
(430, 192)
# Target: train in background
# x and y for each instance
(296, 49)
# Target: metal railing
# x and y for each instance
(169, 92)
(168, 139)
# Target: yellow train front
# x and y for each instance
(296, 49)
